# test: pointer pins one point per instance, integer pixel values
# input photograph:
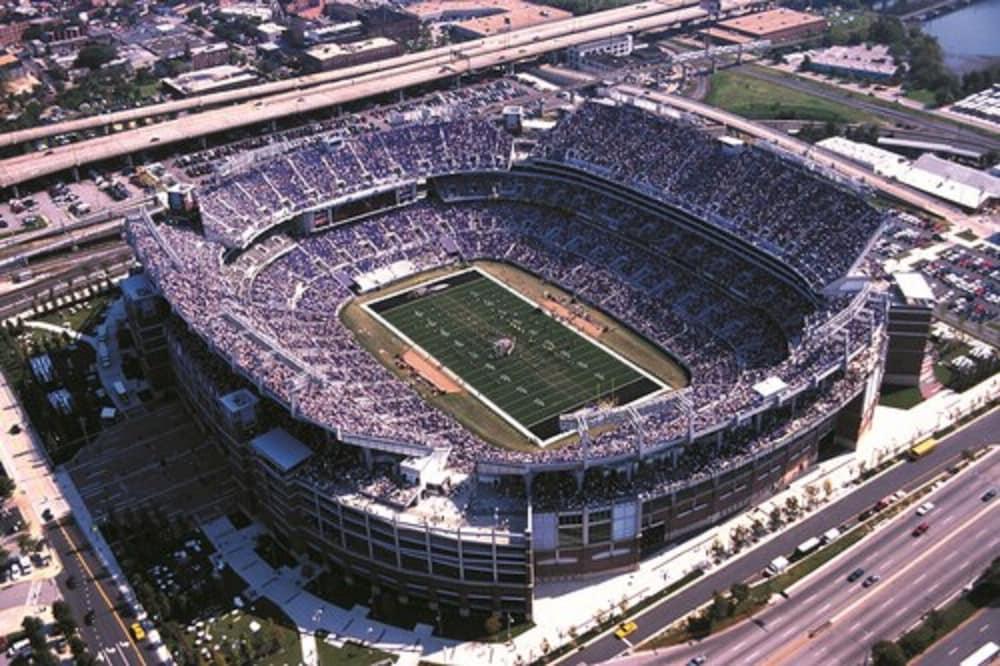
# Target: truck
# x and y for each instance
(777, 565)
(121, 390)
(830, 535)
(807, 546)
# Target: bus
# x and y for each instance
(923, 448)
(987, 654)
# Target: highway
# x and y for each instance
(439, 56)
(969, 637)
(827, 619)
(650, 622)
(475, 56)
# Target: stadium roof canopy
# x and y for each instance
(281, 449)
(771, 386)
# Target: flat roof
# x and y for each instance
(328, 51)
(773, 20)
(281, 449)
(487, 17)
(913, 286)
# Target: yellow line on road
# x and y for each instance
(100, 590)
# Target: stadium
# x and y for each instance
(448, 362)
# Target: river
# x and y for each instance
(970, 36)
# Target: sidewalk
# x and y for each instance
(562, 607)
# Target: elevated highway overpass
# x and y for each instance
(438, 56)
(366, 81)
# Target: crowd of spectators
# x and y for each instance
(272, 311)
(807, 221)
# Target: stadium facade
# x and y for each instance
(648, 219)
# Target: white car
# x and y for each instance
(925, 508)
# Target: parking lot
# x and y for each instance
(967, 281)
(66, 202)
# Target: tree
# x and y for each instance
(720, 608)
(792, 507)
(776, 520)
(916, 641)
(492, 625)
(827, 487)
(887, 653)
(812, 495)
(7, 487)
(65, 624)
(740, 592)
(94, 55)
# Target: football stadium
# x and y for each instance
(449, 362)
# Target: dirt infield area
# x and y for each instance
(562, 313)
(431, 372)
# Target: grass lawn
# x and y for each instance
(759, 594)
(261, 633)
(348, 655)
(925, 97)
(762, 100)
(548, 369)
(901, 397)
(473, 414)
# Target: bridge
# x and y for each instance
(273, 101)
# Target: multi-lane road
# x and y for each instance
(828, 619)
(952, 649)
(651, 621)
(431, 66)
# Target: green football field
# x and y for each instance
(463, 321)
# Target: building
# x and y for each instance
(618, 47)
(910, 313)
(984, 104)
(472, 19)
(146, 313)
(345, 31)
(334, 56)
(270, 33)
(971, 189)
(385, 21)
(12, 33)
(872, 62)
(209, 55)
(210, 80)
(775, 25)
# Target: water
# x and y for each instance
(970, 36)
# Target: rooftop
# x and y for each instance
(487, 17)
(281, 449)
(764, 23)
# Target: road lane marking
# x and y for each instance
(793, 647)
(984, 628)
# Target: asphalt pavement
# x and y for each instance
(959, 644)
(984, 430)
(943, 129)
(91, 590)
(827, 619)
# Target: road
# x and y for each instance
(959, 644)
(943, 130)
(86, 587)
(982, 431)
(458, 60)
(918, 573)
(37, 491)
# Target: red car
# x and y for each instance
(920, 529)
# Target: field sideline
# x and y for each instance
(550, 369)
(473, 413)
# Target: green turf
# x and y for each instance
(764, 100)
(551, 370)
